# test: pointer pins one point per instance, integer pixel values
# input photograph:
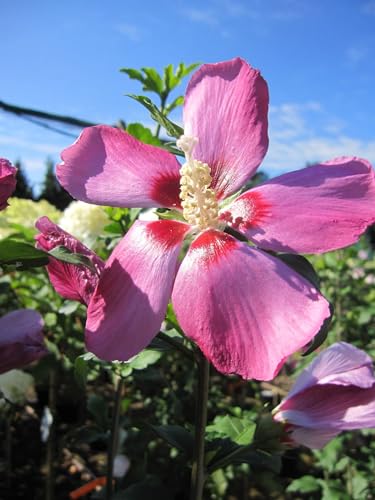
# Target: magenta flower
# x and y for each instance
(245, 309)
(70, 281)
(335, 392)
(21, 339)
(7, 181)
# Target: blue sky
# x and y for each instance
(317, 57)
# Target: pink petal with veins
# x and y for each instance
(130, 301)
(107, 166)
(312, 210)
(226, 107)
(245, 309)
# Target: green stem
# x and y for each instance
(163, 100)
(51, 443)
(198, 473)
(113, 444)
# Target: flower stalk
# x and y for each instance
(113, 438)
(198, 473)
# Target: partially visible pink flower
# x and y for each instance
(336, 392)
(21, 339)
(245, 308)
(370, 279)
(7, 181)
(70, 281)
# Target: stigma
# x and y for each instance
(198, 200)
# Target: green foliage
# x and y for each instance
(161, 85)
(52, 191)
(23, 188)
(172, 129)
(21, 255)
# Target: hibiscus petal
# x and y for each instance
(330, 406)
(251, 311)
(7, 181)
(313, 438)
(226, 107)
(341, 364)
(132, 295)
(107, 166)
(21, 339)
(70, 281)
(313, 210)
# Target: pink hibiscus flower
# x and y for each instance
(7, 181)
(70, 281)
(246, 310)
(335, 392)
(21, 339)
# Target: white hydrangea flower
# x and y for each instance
(25, 213)
(17, 386)
(85, 222)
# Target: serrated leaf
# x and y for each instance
(172, 129)
(134, 74)
(153, 81)
(178, 437)
(21, 255)
(179, 101)
(65, 255)
(239, 430)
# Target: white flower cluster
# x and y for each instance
(85, 222)
(25, 213)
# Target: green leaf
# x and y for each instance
(65, 255)
(21, 255)
(172, 129)
(81, 370)
(231, 453)
(142, 133)
(178, 437)
(134, 74)
(179, 101)
(321, 335)
(69, 307)
(305, 484)
(153, 81)
(239, 430)
(144, 359)
(333, 490)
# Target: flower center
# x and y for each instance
(199, 204)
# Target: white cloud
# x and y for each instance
(14, 141)
(131, 31)
(294, 141)
(204, 16)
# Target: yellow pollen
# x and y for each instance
(198, 200)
